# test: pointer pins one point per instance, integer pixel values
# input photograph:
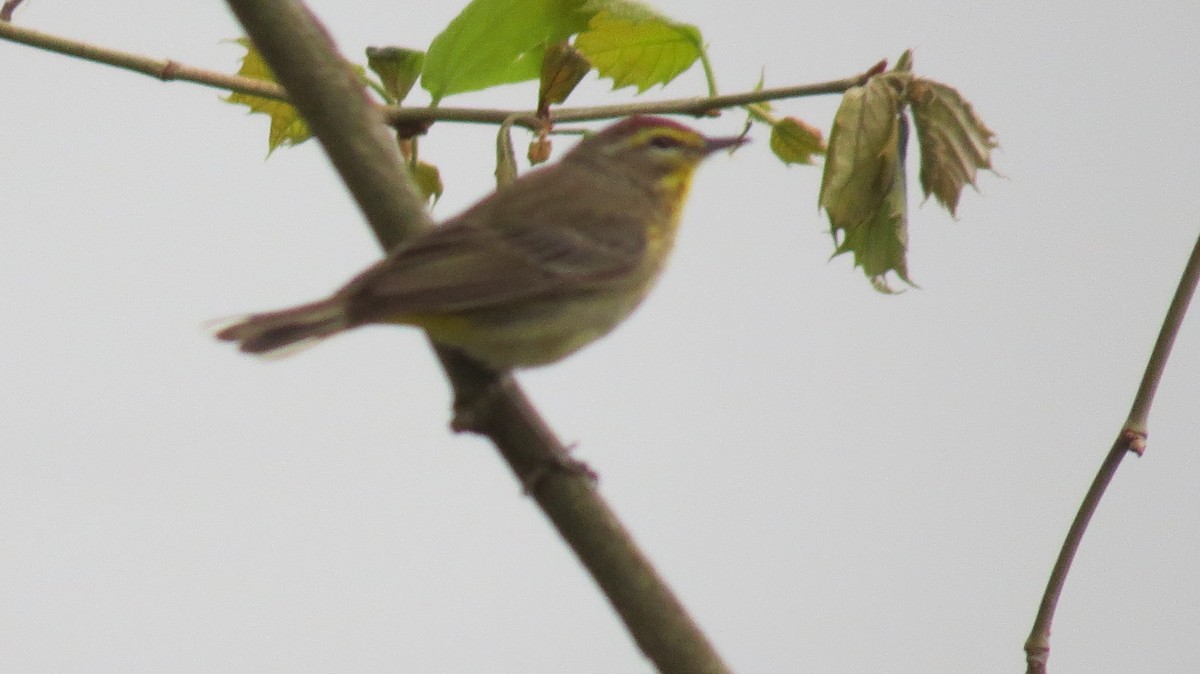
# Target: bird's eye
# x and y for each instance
(664, 142)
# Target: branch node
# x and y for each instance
(1037, 652)
(411, 129)
(169, 71)
(1135, 441)
(562, 464)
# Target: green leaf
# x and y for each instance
(287, 127)
(880, 245)
(398, 69)
(634, 45)
(495, 42)
(854, 180)
(428, 180)
(795, 141)
(863, 186)
(954, 141)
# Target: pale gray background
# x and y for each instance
(832, 479)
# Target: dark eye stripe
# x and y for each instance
(664, 142)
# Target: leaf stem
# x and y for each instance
(709, 77)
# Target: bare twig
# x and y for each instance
(697, 107)
(1140, 411)
(1132, 438)
(158, 68)
(331, 98)
(10, 6)
(419, 117)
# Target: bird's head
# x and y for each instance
(650, 150)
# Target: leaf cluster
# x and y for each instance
(864, 190)
(863, 187)
(495, 42)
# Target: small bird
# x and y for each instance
(536, 270)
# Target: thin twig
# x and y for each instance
(1132, 438)
(697, 107)
(1140, 411)
(158, 68)
(10, 6)
(419, 116)
(331, 98)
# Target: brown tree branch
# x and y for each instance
(330, 97)
(698, 106)
(158, 68)
(420, 116)
(10, 6)
(1132, 438)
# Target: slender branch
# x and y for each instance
(697, 106)
(330, 97)
(10, 6)
(158, 68)
(1140, 411)
(420, 116)
(1132, 438)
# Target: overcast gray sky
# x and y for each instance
(833, 480)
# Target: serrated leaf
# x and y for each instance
(881, 244)
(563, 67)
(795, 141)
(863, 186)
(398, 69)
(855, 177)
(428, 180)
(495, 42)
(633, 45)
(954, 141)
(287, 126)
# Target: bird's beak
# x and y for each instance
(712, 145)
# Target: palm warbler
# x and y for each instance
(533, 272)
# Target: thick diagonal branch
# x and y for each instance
(331, 99)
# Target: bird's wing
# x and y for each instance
(466, 265)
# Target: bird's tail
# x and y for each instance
(279, 333)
